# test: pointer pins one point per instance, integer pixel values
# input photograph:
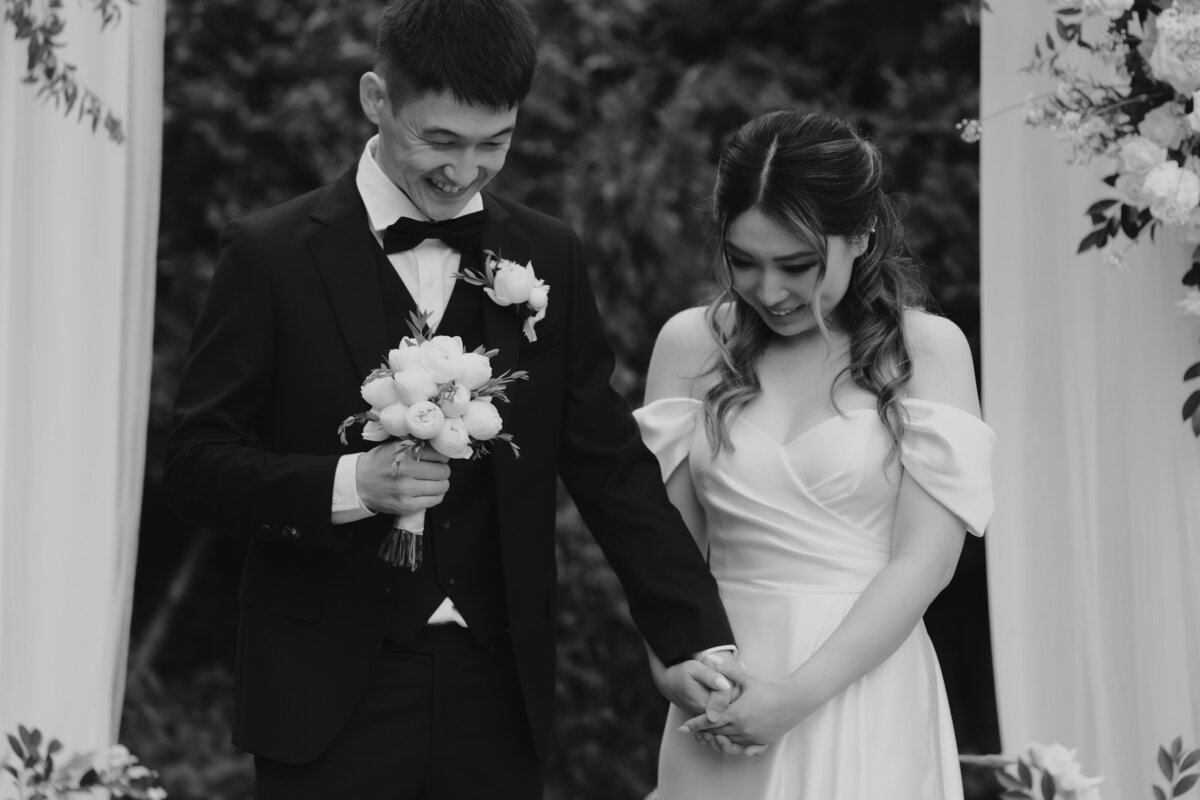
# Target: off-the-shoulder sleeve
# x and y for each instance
(667, 427)
(949, 452)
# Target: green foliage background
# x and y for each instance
(632, 103)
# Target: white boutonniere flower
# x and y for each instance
(509, 284)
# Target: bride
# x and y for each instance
(821, 435)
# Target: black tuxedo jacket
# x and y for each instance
(292, 324)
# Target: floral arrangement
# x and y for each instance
(509, 284)
(1145, 117)
(39, 775)
(430, 393)
(1051, 772)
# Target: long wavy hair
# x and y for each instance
(816, 177)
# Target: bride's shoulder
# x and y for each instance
(683, 352)
(943, 368)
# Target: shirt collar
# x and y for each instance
(384, 201)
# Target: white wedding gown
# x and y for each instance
(796, 531)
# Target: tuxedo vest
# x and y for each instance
(461, 558)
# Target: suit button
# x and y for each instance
(450, 580)
(444, 525)
(290, 531)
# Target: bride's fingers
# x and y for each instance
(729, 667)
(709, 677)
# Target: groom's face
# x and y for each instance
(439, 150)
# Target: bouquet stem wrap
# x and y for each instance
(402, 545)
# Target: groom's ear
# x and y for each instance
(372, 94)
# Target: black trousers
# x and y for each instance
(442, 720)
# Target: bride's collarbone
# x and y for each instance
(796, 399)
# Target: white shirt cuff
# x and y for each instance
(725, 648)
(347, 506)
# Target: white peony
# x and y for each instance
(454, 402)
(512, 283)
(1190, 304)
(1138, 155)
(380, 393)
(1193, 119)
(539, 296)
(482, 420)
(1164, 125)
(1109, 8)
(394, 420)
(374, 432)
(425, 420)
(440, 357)
(475, 369)
(415, 385)
(406, 356)
(1174, 193)
(1053, 758)
(453, 440)
(1131, 188)
(1176, 55)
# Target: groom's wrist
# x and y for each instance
(725, 648)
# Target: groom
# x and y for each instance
(357, 678)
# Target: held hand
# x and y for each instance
(412, 485)
(763, 712)
(690, 685)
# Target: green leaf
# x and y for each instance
(18, 751)
(1049, 789)
(1015, 795)
(1007, 781)
(1185, 783)
(1189, 408)
(1176, 747)
(1159, 794)
(1196, 424)
(1025, 774)
(54, 746)
(1100, 206)
(1192, 758)
(1192, 372)
(1164, 760)
(90, 778)
(1096, 238)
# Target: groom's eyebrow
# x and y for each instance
(427, 132)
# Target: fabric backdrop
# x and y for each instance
(78, 226)
(1094, 551)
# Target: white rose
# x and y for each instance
(425, 420)
(1053, 758)
(1139, 155)
(440, 357)
(404, 357)
(1130, 188)
(380, 392)
(394, 419)
(1164, 126)
(1174, 193)
(374, 432)
(414, 385)
(1190, 304)
(1072, 779)
(511, 284)
(482, 420)
(455, 402)
(1109, 8)
(453, 440)
(475, 369)
(1176, 55)
(539, 296)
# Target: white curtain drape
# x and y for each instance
(1094, 551)
(78, 229)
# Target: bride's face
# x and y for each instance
(775, 272)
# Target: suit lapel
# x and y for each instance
(344, 252)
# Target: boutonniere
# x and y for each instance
(508, 283)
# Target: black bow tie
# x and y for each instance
(462, 233)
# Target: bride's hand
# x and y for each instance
(764, 711)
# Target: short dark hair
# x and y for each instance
(482, 51)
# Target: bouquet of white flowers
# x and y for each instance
(1144, 115)
(43, 772)
(431, 393)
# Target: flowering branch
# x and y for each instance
(39, 775)
(56, 76)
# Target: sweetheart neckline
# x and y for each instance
(808, 430)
